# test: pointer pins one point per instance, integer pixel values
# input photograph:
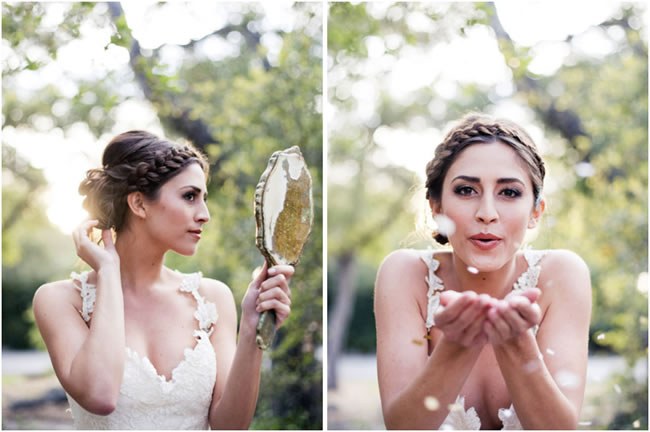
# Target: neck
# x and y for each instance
(141, 265)
(495, 283)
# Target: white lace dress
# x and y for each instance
(459, 418)
(148, 400)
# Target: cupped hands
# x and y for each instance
(470, 319)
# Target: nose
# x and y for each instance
(487, 211)
(203, 214)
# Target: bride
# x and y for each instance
(486, 335)
(135, 344)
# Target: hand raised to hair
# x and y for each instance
(512, 316)
(269, 290)
(462, 315)
(93, 254)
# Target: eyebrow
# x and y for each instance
(195, 189)
(478, 180)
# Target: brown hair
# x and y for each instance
(479, 128)
(134, 161)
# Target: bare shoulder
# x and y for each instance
(403, 271)
(57, 293)
(216, 292)
(566, 272)
(400, 261)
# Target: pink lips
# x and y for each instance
(485, 241)
(196, 233)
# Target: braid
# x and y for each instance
(148, 174)
(478, 128)
(135, 161)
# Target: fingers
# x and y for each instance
(274, 291)
(510, 318)
(83, 231)
(107, 238)
(455, 307)
(532, 294)
(449, 296)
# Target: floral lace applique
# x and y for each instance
(459, 419)
(206, 312)
(435, 287)
(88, 294)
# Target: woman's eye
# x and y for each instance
(511, 193)
(464, 190)
(190, 196)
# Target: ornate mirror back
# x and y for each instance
(284, 207)
(283, 215)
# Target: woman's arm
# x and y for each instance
(547, 374)
(407, 374)
(239, 362)
(88, 361)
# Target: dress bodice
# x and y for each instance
(148, 400)
(459, 418)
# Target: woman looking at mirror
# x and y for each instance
(506, 328)
(134, 344)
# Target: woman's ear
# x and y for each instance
(536, 215)
(136, 203)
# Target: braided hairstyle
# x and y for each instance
(479, 128)
(134, 161)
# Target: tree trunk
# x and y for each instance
(341, 314)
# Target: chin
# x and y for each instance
(484, 263)
(185, 251)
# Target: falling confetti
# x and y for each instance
(472, 270)
(636, 424)
(585, 423)
(431, 403)
(617, 388)
(446, 226)
(417, 342)
(550, 352)
(600, 336)
(567, 379)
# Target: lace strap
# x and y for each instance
(528, 279)
(206, 312)
(87, 294)
(435, 287)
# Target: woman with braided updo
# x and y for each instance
(135, 344)
(505, 328)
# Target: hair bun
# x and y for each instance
(95, 187)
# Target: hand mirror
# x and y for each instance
(283, 215)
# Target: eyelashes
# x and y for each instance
(192, 196)
(508, 192)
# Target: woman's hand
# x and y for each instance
(269, 290)
(462, 315)
(93, 254)
(512, 316)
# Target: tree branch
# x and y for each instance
(171, 111)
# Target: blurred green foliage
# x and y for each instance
(597, 196)
(252, 103)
